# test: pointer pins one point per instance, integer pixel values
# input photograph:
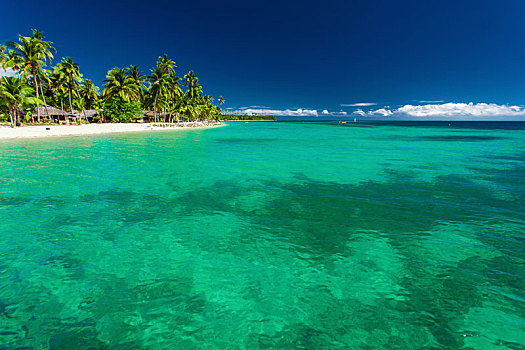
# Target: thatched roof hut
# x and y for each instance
(90, 113)
(52, 111)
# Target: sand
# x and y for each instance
(89, 129)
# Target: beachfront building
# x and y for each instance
(89, 114)
(57, 115)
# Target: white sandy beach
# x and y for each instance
(89, 129)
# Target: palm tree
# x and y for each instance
(70, 74)
(175, 93)
(158, 87)
(221, 100)
(119, 84)
(89, 93)
(34, 52)
(16, 94)
(57, 85)
(194, 88)
(167, 65)
(12, 60)
(3, 56)
(135, 73)
(46, 50)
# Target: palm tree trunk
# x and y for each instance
(155, 106)
(70, 105)
(36, 93)
(45, 103)
(83, 110)
(165, 104)
(11, 117)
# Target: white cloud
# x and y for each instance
(461, 109)
(381, 112)
(443, 111)
(283, 112)
(452, 111)
(289, 112)
(359, 104)
(7, 73)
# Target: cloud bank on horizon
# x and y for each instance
(470, 110)
(447, 111)
(300, 112)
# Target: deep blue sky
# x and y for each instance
(298, 54)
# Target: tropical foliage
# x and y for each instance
(15, 96)
(127, 93)
(119, 110)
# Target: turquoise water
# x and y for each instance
(265, 235)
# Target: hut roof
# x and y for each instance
(151, 114)
(51, 111)
(89, 113)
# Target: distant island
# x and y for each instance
(36, 94)
(242, 117)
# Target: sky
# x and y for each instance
(372, 58)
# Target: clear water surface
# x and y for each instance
(266, 235)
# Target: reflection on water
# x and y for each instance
(323, 238)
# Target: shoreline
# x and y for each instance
(94, 129)
(247, 121)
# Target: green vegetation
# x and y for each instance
(119, 110)
(247, 117)
(15, 96)
(127, 93)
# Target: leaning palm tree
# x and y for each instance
(119, 84)
(34, 52)
(221, 100)
(15, 94)
(13, 61)
(3, 56)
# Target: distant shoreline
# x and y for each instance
(94, 129)
(249, 121)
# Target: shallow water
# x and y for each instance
(266, 235)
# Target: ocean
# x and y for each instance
(314, 235)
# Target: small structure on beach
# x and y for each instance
(55, 114)
(89, 114)
(147, 116)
